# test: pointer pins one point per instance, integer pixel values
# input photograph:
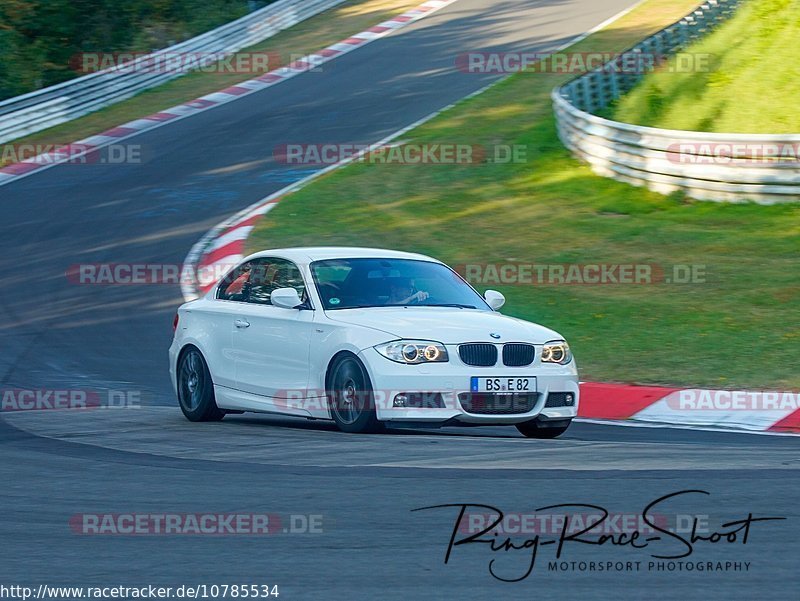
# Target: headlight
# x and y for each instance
(413, 351)
(556, 352)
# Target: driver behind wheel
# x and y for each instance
(402, 292)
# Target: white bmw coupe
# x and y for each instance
(367, 337)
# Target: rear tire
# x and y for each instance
(543, 429)
(195, 388)
(351, 397)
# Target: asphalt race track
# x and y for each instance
(372, 546)
(57, 335)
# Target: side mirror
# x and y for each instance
(494, 298)
(286, 298)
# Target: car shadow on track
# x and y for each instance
(578, 432)
(305, 424)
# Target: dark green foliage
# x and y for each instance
(39, 38)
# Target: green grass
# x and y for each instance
(750, 86)
(739, 329)
(304, 38)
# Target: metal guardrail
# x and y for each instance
(39, 110)
(705, 166)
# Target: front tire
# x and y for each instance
(195, 388)
(544, 429)
(351, 397)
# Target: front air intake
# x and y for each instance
(478, 354)
(518, 355)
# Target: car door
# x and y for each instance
(271, 344)
(212, 322)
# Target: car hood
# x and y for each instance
(445, 325)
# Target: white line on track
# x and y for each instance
(663, 426)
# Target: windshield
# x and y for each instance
(355, 283)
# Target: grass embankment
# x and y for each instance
(741, 328)
(304, 38)
(750, 86)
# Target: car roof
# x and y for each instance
(308, 254)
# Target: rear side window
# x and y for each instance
(234, 284)
(254, 281)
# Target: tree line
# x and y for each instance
(40, 39)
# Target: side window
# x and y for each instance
(271, 274)
(254, 281)
(233, 287)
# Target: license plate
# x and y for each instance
(503, 384)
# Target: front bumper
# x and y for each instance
(452, 379)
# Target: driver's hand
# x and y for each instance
(420, 296)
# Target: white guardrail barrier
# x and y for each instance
(705, 166)
(39, 110)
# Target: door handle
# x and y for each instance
(241, 323)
